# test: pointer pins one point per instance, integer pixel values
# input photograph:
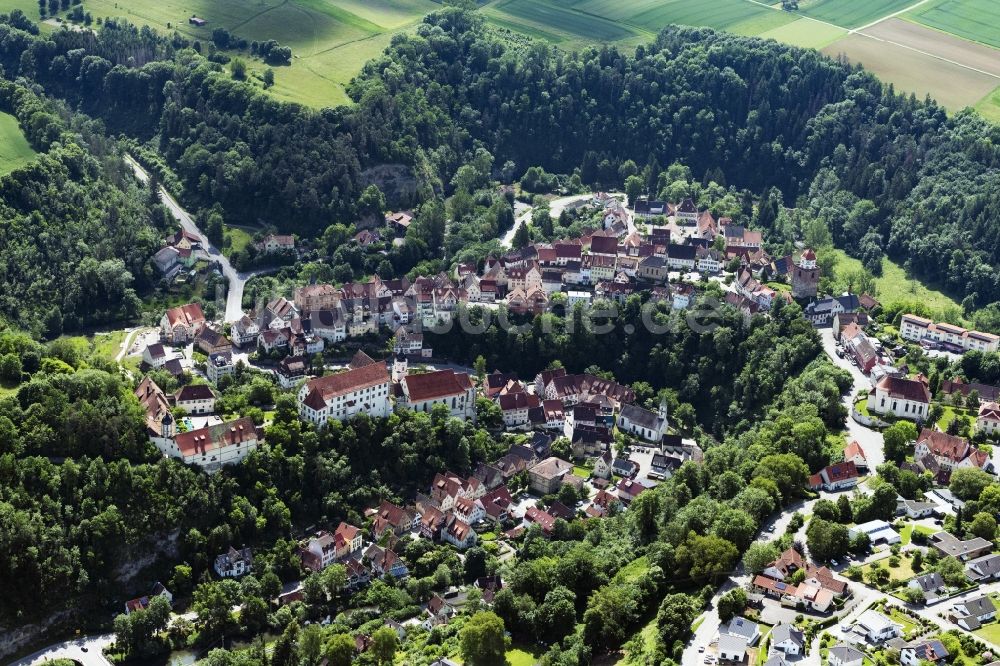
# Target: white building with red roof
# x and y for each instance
(855, 454)
(453, 389)
(181, 324)
(904, 398)
(988, 420)
(362, 388)
(213, 446)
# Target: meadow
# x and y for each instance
(14, 148)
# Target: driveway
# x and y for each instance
(237, 281)
(88, 650)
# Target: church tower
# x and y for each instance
(805, 276)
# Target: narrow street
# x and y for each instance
(237, 281)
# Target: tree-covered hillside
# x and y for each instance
(878, 169)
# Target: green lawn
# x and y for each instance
(582, 472)
(895, 285)
(236, 239)
(14, 148)
(989, 633)
(909, 624)
(851, 13)
(903, 572)
(521, 657)
(906, 533)
(950, 414)
(975, 20)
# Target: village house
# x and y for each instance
(313, 297)
(923, 651)
(155, 356)
(142, 603)
(213, 446)
(950, 451)
(913, 509)
(181, 324)
(901, 397)
(234, 563)
(291, 370)
(245, 332)
(931, 585)
(787, 639)
(437, 612)
(546, 477)
(983, 569)
(385, 562)
(963, 549)
(973, 613)
(399, 222)
(273, 243)
(458, 533)
(845, 655)
(515, 406)
(988, 418)
(876, 627)
(195, 399)
(855, 454)
(878, 531)
(363, 387)
(325, 548)
(392, 518)
(210, 340)
(836, 477)
(681, 257)
(218, 366)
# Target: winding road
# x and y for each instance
(237, 281)
(86, 650)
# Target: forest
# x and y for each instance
(879, 170)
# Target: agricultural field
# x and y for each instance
(975, 20)
(920, 66)
(851, 13)
(14, 148)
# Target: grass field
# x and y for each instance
(851, 13)
(806, 33)
(976, 20)
(989, 106)
(14, 149)
(895, 285)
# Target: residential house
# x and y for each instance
(437, 612)
(855, 454)
(653, 269)
(291, 370)
(210, 340)
(625, 468)
(385, 562)
(963, 549)
(392, 518)
(732, 648)
(550, 415)
(218, 366)
(973, 613)
(399, 222)
(983, 569)
(876, 627)
(988, 419)
(950, 451)
(213, 446)
(362, 388)
(155, 355)
(788, 639)
(543, 519)
(546, 477)
(743, 628)
(142, 603)
(314, 297)
(245, 332)
(918, 329)
(845, 655)
(900, 397)
(923, 651)
(931, 585)
(273, 243)
(833, 478)
(877, 531)
(515, 407)
(681, 257)
(709, 260)
(234, 563)
(181, 324)
(458, 533)
(663, 466)
(602, 465)
(628, 490)
(195, 399)
(913, 509)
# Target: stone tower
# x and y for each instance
(399, 368)
(805, 276)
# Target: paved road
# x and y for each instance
(237, 280)
(87, 650)
(870, 440)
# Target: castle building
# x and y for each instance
(805, 277)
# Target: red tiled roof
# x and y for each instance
(345, 382)
(206, 440)
(907, 389)
(185, 315)
(944, 445)
(854, 449)
(431, 385)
